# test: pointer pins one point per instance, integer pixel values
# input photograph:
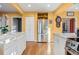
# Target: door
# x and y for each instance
(30, 28)
(72, 25)
(40, 23)
(46, 30)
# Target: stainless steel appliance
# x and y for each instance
(42, 30)
(73, 43)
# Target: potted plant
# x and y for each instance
(4, 29)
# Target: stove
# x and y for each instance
(73, 43)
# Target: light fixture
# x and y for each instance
(48, 5)
(29, 5)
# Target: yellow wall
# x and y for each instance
(35, 24)
(51, 16)
(11, 15)
(51, 26)
(64, 15)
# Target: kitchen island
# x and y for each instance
(12, 43)
(60, 41)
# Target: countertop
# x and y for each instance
(60, 41)
(66, 35)
(8, 37)
(12, 43)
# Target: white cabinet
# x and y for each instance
(60, 41)
(59, 45)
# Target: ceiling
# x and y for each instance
(39, 7)
(30, 7)
(6, 7)
(36, 7)
(74, 7)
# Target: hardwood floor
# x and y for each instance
(34, 48)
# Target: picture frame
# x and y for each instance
(70, 13)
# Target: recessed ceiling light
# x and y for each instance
(29, 5)
(48, 5)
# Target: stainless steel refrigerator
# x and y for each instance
(42, 30)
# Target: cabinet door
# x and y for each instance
(59, 45)
(62, 45)
(56, 45)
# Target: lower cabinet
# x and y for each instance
(59, 45)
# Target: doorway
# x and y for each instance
(17, 24)
(69, 25)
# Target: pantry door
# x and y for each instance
(30, 28)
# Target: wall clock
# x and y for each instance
(58, 21)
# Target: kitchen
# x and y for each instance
(42, 23)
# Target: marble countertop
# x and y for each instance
(66, 35)
(8, 37)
